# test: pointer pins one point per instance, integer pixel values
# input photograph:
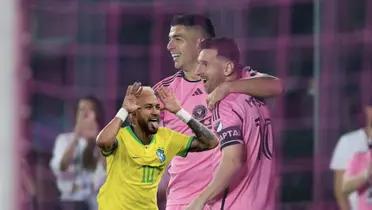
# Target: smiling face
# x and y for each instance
(183, 46)
(147, 117)
(211, 69)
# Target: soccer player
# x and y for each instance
(137, 155)
(244, 177)
(185, 34)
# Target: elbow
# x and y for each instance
(104, 142)
(100, 141)
(237, 164)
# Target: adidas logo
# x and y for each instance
(197, 92)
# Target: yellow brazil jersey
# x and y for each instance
(134, 170)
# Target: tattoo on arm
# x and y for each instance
(109, 150)
(203, 134)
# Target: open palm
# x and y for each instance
(169, 99)
(130, 99)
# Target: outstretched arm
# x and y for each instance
(205, 139)
(261, 85)
(106, 139)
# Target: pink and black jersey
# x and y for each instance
(190, 175)
(242, 119)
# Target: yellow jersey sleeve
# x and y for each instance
(179, 143)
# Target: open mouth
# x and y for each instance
(175, 56)
(154, 123)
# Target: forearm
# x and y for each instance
(89, 157)
(107, 136)
(351, 184)
(260, 86)
(205, 136)
(68, 154)
(223, 177)
(342, 201)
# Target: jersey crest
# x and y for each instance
(160, 154)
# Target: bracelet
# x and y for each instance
(184, 115)
(122, 114)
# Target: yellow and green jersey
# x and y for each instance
(134, 170)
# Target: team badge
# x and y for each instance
(161, 155)
(199, 112)
(218, 126)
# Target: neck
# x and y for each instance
(189, 72)
(142, 136)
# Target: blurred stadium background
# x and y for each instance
(67, 49)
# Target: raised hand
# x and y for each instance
(130, 99)
(86, 126)
(219, 93)
(168, 99)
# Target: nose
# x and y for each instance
(198, 70)
(155, 111)
(170, 45)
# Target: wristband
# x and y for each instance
(122, 114)
(184, 115)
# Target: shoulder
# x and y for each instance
(230, 109)
(231, 99)
(124, 133)
(169, 80)
(234, 100)
(351, 141)
(350, 136)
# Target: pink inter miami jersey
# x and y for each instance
(190, 175)
(357, 165)
(242, 119)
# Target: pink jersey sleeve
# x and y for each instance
(355, 165)
(228, 124)
(242, 119)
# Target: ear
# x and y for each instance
(229, 68)
(198, 42)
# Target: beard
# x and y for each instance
(148, 127)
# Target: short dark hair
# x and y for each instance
(225, 47)
(195, 20)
